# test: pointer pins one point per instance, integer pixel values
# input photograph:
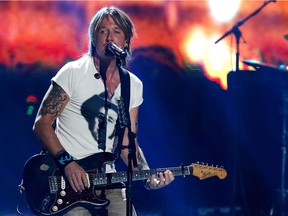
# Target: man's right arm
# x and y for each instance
(51, 107)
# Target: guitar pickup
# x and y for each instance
(53, 185)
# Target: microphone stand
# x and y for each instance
(237, 33)
(281, 205)
(283, 190)
(132, 161)
(235, 30)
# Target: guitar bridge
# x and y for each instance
(53, 185)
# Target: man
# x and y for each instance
(85, 101)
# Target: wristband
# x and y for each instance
(63, 158)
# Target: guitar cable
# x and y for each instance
(21, 189)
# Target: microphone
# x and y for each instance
(114, 49)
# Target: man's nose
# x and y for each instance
(109, 37)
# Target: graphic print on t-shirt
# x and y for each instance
(101, 120)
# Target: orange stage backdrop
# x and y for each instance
(51, 32)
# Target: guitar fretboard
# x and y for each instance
(102, 178)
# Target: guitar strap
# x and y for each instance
(123, 109)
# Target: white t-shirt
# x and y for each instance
(78, 125)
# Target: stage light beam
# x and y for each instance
(224, 10)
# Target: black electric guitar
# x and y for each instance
(48, 193)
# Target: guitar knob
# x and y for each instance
(54, 208)
(59, 201)
(62, 193)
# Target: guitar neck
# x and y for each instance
(102, 178)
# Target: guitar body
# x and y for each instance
(48, 193)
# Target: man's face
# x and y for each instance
(108, 31)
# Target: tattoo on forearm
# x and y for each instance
(54, 103)
(142, 163)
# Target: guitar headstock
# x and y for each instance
(203, 171)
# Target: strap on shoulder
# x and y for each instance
(123, 112)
